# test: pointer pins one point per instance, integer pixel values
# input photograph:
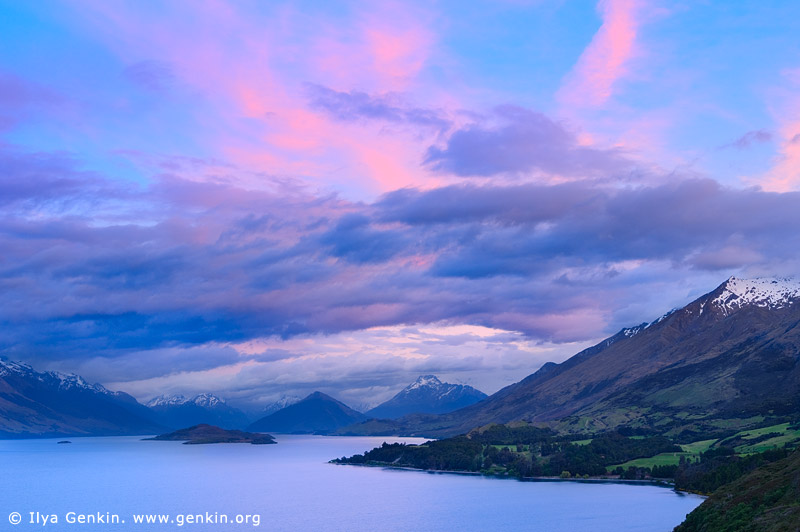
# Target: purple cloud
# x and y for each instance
(32, 180)
(184, 263)
(567, 224)
(356, 105)
(354, 240)
(523, 142)
(529, 203)
(759, 136)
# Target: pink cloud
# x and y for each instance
(386, 51)
(251, 110)
(604, 62)
(788, 170)
(398, 56)
(784, 176)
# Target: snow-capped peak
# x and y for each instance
(773, 293)
(283, 402)
(9, 366)
(69, 381)
(207, 400)
(167, 400)
(202, 399)
(64, 381)
(429, 381)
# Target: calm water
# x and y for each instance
(290, 486)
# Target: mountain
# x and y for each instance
(175, 411)
(727, 360)
(41, 404)
(317, 413)
(283, 402)
(427, 395)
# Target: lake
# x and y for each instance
(290, 486)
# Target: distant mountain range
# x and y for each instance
(726, 360)
(42, 404)
(427, 395)
(317, 413)
(35, 404)
(322, 414)
(176, 411)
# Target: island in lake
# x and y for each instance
(199, 434)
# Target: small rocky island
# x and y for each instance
(199, 434)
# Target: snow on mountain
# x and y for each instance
(166, 400)
(52, 402)
(660, 319)
(70, 381)
(280, 404)
(427, 395)
(422, 381)
(177, 411)
(206, 400)
(725, 358)
(773, 293)
(64, 381)
(7, 367)
(633, 331)
(765, 292)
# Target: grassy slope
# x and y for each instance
(768, 499)
(657, 460)
(698, 446)
(783, 434)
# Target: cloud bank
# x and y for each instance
(117, 267)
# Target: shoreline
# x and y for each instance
(591, 480)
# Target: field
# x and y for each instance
(657, 460)
(745, 442)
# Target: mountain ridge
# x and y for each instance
(427, 395)
(715, 355)
(40, 404)
(316, 413)
(177, 411)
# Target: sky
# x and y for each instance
(263, 199)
